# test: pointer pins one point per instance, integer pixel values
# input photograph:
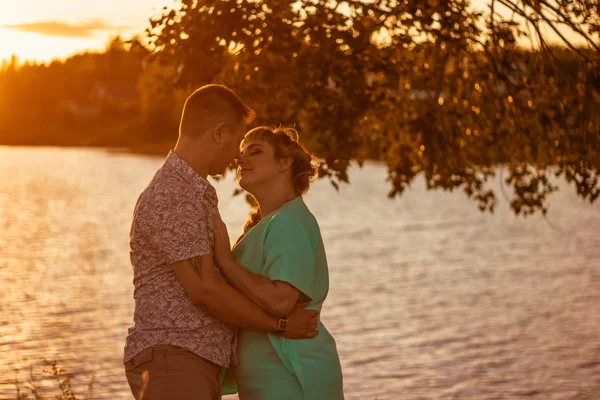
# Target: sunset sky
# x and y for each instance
(46, 29)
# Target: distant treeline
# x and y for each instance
(90, 99)
(115, 98)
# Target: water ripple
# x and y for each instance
(429, 298)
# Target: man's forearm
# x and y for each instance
(232, 307)
(259, 289)
(199, 278)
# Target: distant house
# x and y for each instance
(79, 110)
(122, 95)
(103, 95)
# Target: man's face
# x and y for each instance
(230, 147)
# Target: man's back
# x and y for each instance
(173, 222)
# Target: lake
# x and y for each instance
(429, 298)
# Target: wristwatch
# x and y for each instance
(282, 325)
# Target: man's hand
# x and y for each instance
(222, 245)
(302, 323)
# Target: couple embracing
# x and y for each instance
(210, 320)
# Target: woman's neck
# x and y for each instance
(273, 200)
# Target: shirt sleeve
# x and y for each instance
(289, 254)
(178, 226)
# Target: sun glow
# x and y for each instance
(43, 30)
(42, 48)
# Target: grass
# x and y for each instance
(32, 390)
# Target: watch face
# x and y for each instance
(282, 324)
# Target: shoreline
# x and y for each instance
(155, 149)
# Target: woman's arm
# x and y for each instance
(278, 298)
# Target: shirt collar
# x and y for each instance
(179, 165)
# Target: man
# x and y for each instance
(185, 312)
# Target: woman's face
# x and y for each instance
(257, 165)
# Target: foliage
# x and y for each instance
(426, 86)
(58, 375)
(92, 96)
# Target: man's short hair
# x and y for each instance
(210, 104)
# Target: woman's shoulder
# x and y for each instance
(294, 218)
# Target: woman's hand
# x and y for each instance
(222, 245)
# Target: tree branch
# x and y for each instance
(571, 24)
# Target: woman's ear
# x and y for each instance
(285, 163)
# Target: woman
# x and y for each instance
(278, 262)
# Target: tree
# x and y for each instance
(88, 99)
(425, 86)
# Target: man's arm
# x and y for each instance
(276, 297)
(202, 284)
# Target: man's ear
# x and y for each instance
(285, 163)
(219, 132)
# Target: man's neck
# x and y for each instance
(198, 165)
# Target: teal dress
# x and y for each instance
(287, 246)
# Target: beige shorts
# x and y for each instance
(166, 372)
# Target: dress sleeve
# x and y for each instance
(289, 254)
(177, 227)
